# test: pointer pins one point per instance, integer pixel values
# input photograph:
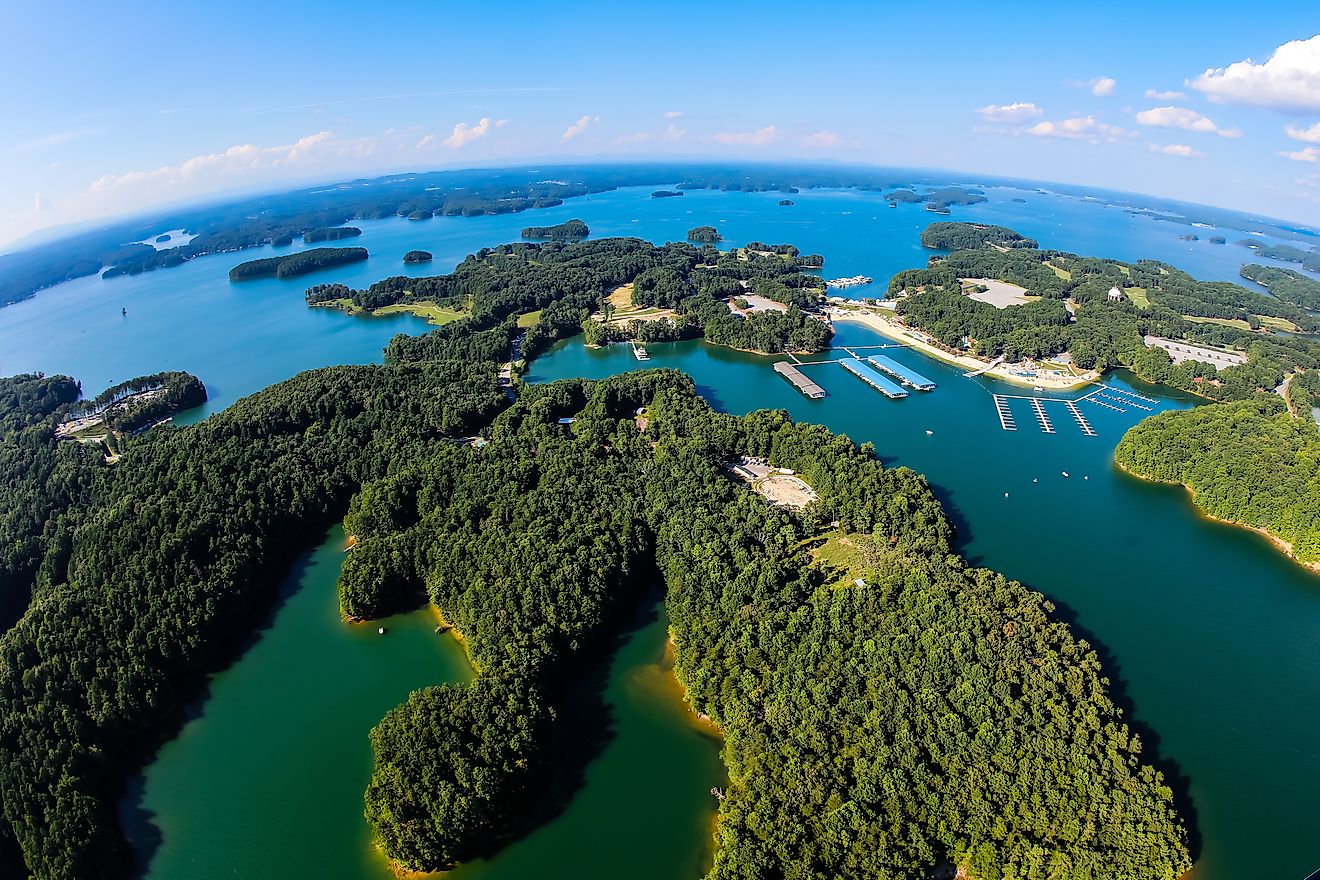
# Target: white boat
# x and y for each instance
(1065, 473)
(381, 631)
(928, 433)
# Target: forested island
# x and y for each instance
(331, 233)
(297, 264)
(969, 236)
(666, 193)
(1154, 299)
(785, 203)
(1310, 260)
(704, 235)
(569, 230)
(417, 257)
(675, 291)
(1287, 285)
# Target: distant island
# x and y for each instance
(704, 235)
(296, 264)
(969, 236)
(1310, 260)
(421, 214)
(569, 230)
(784, 203)
(417, 257)
(666, 193)
(331, 233)
(1218, 239)
(1189, 237)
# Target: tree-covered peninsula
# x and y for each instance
(331, 233)
(878, 721)
(569, 230)
(704, 235)
(1289, 286)
(297, 264)
(1250, 462)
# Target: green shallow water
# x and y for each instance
(1211, 635)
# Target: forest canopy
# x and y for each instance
(296, 264)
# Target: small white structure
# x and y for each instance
(1115, 295)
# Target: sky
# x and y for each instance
(110, 109)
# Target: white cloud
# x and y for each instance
(674, 114)
(39, 204)
(425, 142)
(237, 159)
(1157, 95)
(673, 133)
(1306, 154)
(758, 138)
(1185, 119)
(465, 134)
(1085, 128)
(1019, 111)
(580, 126)
(821, 139)
(1288, 81)
(1102, 86)
(1310, 135)
(1182, 150)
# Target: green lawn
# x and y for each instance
(433, 313)
(841, 557)
(1138, 296)
(529, 318)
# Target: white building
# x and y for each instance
(1115, 295)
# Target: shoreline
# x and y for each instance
(890, 330)
(1274, 539)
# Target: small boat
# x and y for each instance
(1037, 388)
(380, 631)
(928, 433)
(1034, 480)
(1005, 494)
(1065, 473)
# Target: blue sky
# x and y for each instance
(109, 110)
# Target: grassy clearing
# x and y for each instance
(1062, 273)
(1278, 323)
(841, 558)
(1138, 296)
(433, 313)
(529, 318)
(1223, 322)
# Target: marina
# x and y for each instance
(1041, 417)
(800, 382)
(1006, 420)
(904, 374)
(873, 378)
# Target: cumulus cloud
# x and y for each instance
(1102, 86)
(1157, 95)
(1306, 154)
(1182, 150)
(1086, 128)
(673, 133)
(821, 139)
(758, 138)
(1311, 135)
(238, 158)
(465, 134)
(426, 142)
(1288, 81)
(1185, 119)
(1019, 111)
(580, 126)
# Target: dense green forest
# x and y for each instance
(297, 264)
(176, 551)
(968, 236)
(1158, 300)
(666, 193)
(417, 257)
(331, 233)
(704, 235)
(569, 230)
(1288, 253)
(567, 282)
(936, 713)
(1287, 285)
(1248, 462)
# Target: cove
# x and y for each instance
(266, 777)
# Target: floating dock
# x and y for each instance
(1096, 400)
(640, 353)
(1081, 420)
(873, 378)
(1041, 417)
(800, 382)
(1130, 398)
(1005, 414)
(1152, 401)
(903, 374)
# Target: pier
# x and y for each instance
(800, 382)
(640, 353)
(1096, 400)
(1005, 414)
(904, 374)
(1131, 398)
(873, 378)
(1041, 417)
(1081, 420)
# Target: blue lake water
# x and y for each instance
(1212, 636)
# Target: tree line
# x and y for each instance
(297, 264)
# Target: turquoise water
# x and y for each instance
(1212, 636)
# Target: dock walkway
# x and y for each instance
(873, 378)
(1081, 420)
(1041, 417)
(1006, 420)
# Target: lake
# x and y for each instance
(1211, 637)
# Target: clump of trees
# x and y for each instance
(331, 233)
(297, 264)
(569, 230)
(417, 257)
(704, 235)
(1287, 285)
(969, 236)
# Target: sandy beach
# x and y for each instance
(892, 329)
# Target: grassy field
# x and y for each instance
(1223, 322)
(1138, 296)
(529, 318)
(433, 313)
(1062, 273)
(841, 558)
(1278, 323)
